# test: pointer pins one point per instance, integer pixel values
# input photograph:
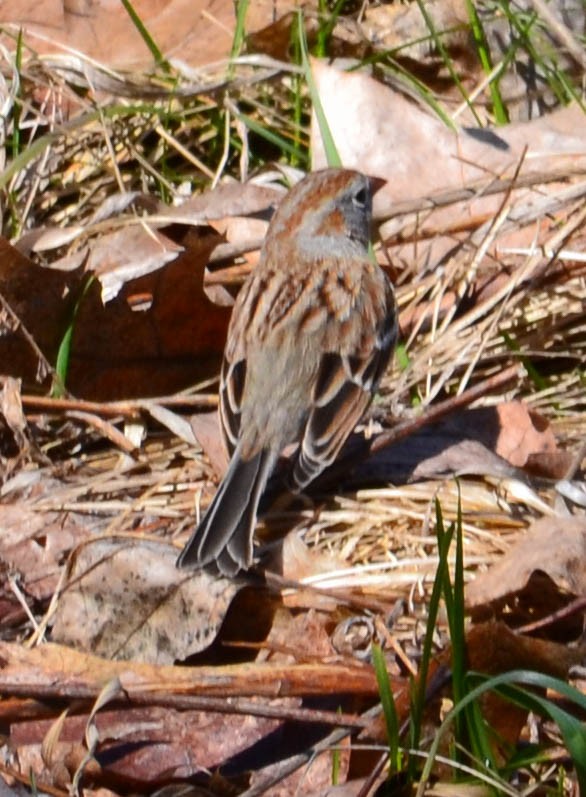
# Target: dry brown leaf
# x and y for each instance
(346, 39)
(13, 438)
(297, 561)
(35, 544)
(172, 421)
(522, 432)
(553, 546)
(125, 599)
(492, 648)
(405, 28)
(227, 200)
(313, 779)
(242, 231)
(42, 301)
(125, 255)
(353, 788)
(299, 637)
(160, 334)
(489, 441)
(197, 32)
(433, 453)
(142, 746)
(549, 464)
(43, 240)
(369, 120)
(392, 26)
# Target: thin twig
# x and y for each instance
(126, 409)
(435, 413)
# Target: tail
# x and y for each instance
(225, 534)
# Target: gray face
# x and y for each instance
(356, 207)
(340, 218)
(330, 211)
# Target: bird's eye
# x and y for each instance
(360, 198)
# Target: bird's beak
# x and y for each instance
(376, 183)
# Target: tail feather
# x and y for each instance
(225, 534)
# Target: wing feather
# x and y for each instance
(344, 388)
(231, 392)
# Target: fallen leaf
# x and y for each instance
(313, 779)
(538, 575)
(298, 562)
(14, 439)
(492, 648)
(42, 301)
(549, 464)
(522, 433)
(172, 421)
(198, 32)
(36, 543)
(125, 599)
(139, 747)
(160, 334)
(369, 119)
(124, 255)
(300, 637)
(488, 441)
(225, 201)
(405, 29)
(404, 26)
(431, 208)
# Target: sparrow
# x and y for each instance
(311, 334)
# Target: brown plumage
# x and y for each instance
(311, 334)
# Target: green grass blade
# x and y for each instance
(239, 37)
(414, 85)
(526, 30)
(475, 731)
(327, 23)
(503, 684)
(512, 345)
(389, 709)
(455, 624)
(418, 694)
(455, 614)
(17, 107)
(573, 730)
(160, 59)
(437, 40)
(297, 91)
(58, 389)
(402, 357)
(574, 734)
(500, 112)
(331, 151)
(268, 135)
(36, 148)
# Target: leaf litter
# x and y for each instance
(490, 274)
